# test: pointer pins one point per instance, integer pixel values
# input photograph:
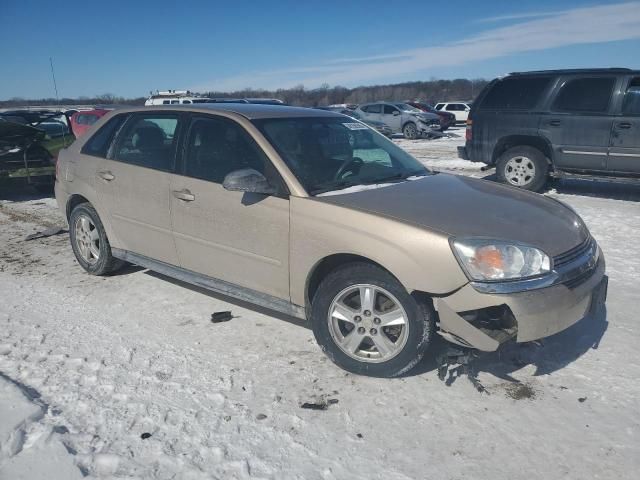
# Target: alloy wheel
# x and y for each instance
(368, 323)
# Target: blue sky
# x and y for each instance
(128, 48)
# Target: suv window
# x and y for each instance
(456, 107)
(216, 147)
(98, 144)
(515, 93)
(388, 109)
(439, 106)
(374, 108)
(149, 141)
(590, 94)
(631, 103)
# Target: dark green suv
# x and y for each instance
(559, 123)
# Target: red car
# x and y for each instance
(446, 119)
(82, 120)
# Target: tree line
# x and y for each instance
(431, 91)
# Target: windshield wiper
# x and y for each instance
(333, 186)
(395, 177)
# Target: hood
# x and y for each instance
(468, 207)
(11, 132)
(425, 115)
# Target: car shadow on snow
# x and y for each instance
(547, 355)
(586, 188)
(231, 300)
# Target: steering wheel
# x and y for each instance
(351, 165)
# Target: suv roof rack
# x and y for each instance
(578, 70)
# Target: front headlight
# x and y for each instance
(495, 260)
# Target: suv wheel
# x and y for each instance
(523, 167)
(410, 131)
(89, 241)
(367, 323)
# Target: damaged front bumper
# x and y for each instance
(482, 318)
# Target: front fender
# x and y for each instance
(420, 259)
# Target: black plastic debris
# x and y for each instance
(582, 399)
(458, 362)
(319, 405)
(261, 416)
(219, 317)
(145, 435)
(49, 232)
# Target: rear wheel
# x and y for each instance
(90, 243)
(523, 167)
(368, 324)
(410, 131)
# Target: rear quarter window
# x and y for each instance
(515, 93)
(98, 145)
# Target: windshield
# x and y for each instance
(331, 153)
(407, 108)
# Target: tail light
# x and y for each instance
(468, 134)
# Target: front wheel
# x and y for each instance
(523, 167)
(367, 323)
(410, 131)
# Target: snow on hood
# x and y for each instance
(362, 188)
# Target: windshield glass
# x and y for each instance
(331, 153)
(406, 107)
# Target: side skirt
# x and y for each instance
(219, 286)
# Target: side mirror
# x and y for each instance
(396, 113)
(248, 180)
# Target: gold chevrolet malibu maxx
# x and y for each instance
(314, 214)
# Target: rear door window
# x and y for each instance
(588, 95)
(149, 141)
(98, 145)
(389, 109)
(631, 102)
(375, 108)
(515, 93)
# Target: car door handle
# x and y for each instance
(624, 125)
(184, 195)
(108, 176)
(555, 123)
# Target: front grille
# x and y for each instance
(571, 255)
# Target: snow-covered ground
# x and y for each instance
(126, 377)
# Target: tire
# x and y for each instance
(523, 167)
(404, 341)
(92, 250)
(410, 131)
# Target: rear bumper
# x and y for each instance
(485, 321)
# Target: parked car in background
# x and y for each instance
(447, 119)
(563, 123)
(381, 127)
(83, 119)
(306, 212)
(402, 118)
(459, 109)
(29, 146)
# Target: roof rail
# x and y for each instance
(578, 70)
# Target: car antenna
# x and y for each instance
(55, 87)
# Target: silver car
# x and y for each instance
(402, 118)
